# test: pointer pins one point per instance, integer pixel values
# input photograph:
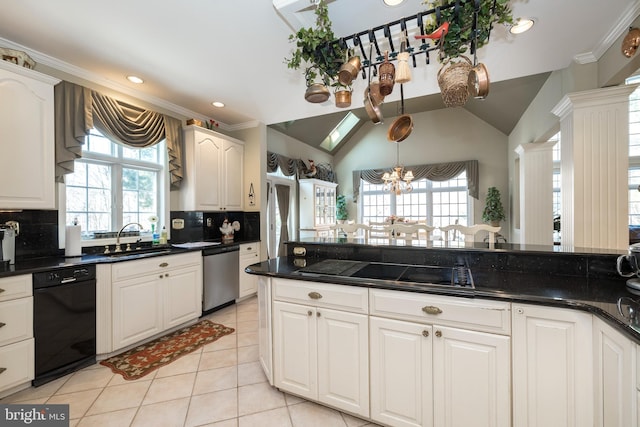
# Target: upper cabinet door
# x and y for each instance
(27, 164)
(214, 171)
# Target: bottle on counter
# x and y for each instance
(163, 236)
(155, 237)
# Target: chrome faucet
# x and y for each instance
(118, 248)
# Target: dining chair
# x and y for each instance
(470, 231)
(352, 230)
(410, 232)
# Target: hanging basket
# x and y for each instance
(452, 79)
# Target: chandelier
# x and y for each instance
(398, 180)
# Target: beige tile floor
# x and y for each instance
(219, 385)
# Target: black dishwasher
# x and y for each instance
(64, 321)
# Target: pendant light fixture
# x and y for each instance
(398, 180)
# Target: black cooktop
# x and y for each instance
(422, 274)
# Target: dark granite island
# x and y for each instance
(545, 335)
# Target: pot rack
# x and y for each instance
(385, 33)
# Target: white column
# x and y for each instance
(536, 193)
(595, 158)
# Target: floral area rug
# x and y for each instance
(145, 358)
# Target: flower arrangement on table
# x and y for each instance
(393, 219)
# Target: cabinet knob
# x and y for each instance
(520, 311)
(2, 370)
(161, 276)
(2, 324)
(438, 334)
(1, 290)
(309, 313)
(425, 333)
(317, 314)
(163, 264)
(430, 309)
(315, 295)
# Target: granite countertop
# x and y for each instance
(35, 265)
(599, 296)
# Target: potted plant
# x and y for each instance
(460, 34)
(493, 211)
(317, 49)
(341, 208)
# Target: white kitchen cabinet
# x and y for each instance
(552, 357)
(249, 254)
(471, 378)
(17, 346)
(26, 138)
(321, 353)
(401, 372)
(426, 374)
(214, 171)
(317, 207)
(152, 295)
(615, 385)
(182, 296)
(265, 336)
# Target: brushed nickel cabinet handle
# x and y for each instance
(315, 295)
(164, 264)
(2, 324)
(2, 370)
(430, 309)
(438, 334)
(425, 333)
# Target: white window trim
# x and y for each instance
(163, 200)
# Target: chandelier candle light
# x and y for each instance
(398, 181)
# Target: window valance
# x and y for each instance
(78, 109)
(297, 167)
(434, 172)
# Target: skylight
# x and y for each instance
(341, 130)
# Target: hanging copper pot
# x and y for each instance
(478, 81)
(631, 42)
(317, 93)
(343, 97)
(401, 127)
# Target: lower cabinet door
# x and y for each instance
(295, 352)
(552, 354)
(17, 363)
(183, 296)
(137, 310)
(265, 337)
(343, 362)
(401, 373)
(471, 378)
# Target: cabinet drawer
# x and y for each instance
(16, 320)
(18, 363)
(341, 297)
(15, 287)
(475, 314)
(142, 267)
(249, 249)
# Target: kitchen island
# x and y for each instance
(540, 337)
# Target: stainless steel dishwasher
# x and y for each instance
(221, 277)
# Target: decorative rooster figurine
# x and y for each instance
(228, 229)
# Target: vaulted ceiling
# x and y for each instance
(193, 53)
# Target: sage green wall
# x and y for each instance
(446, 135)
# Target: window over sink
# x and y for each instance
(114, 184)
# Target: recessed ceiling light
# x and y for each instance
(135, 79)
(392, 2)
(218, 104)
(521, 25)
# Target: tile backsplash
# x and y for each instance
(206, 225)
(38, 235)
